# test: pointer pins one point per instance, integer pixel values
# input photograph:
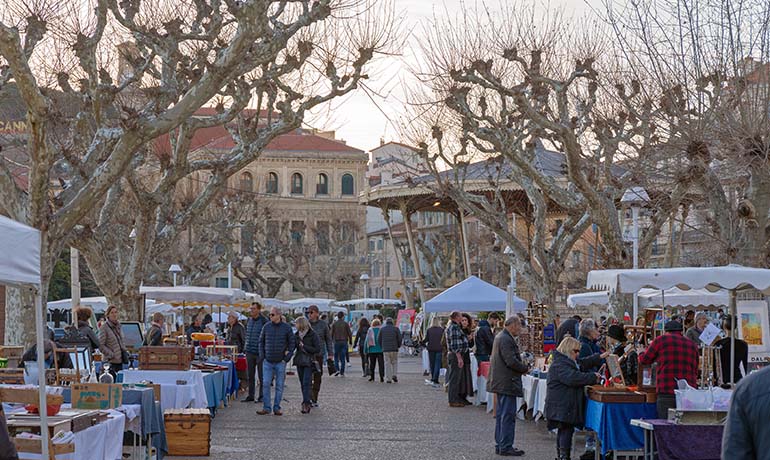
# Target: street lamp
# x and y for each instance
(365, 279)
(174, 269)
(511, 286)
(635, 197)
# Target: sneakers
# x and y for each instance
(248, 399)
(336, 374)
(342, 375)
(314, 403)
(395, 379)
(388, 381)
(428, 382)
(514, 452)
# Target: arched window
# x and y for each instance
(296, 183)
(347, 184)
(272, 182)
(322, 187)
(246, 182)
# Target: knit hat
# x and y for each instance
(616, 332)
(673, 326)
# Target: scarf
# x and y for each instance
(370, 336)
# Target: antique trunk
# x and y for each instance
(13, 376)
(188, 431)
(165, 358)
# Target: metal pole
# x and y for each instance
(230, 275)
(733, 311)
(42, 397)
(75, 277)
(174, 279)
(635, 214)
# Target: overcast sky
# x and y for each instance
(362, 120)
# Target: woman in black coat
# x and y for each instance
(308, 346)
(564, 400)
(363, 328)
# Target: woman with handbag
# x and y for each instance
(308, 346)
(112, 347)
(374, 350)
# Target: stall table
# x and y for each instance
(611, 422)
(483, 375)
(214, 383)
(680, 442)
(173, 396)
(231, 376)
(102, 441)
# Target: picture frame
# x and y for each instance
(613, 367)
(647, 375)
(753, 326)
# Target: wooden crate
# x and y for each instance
(12, 376)
(188, 431)
(34, 446)
(165, 358)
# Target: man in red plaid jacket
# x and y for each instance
(677, 358)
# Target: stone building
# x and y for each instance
(307, 183)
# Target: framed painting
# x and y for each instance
(753, 326)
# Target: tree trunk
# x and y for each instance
(19, 306)
(130, 304)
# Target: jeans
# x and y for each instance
(434, 358)
(340, 350)
(305, 374)
(482, 358)
(454, 379)
(364, 362)
(564, 435)
(376, 358)
(317, 377)
(270, 370)
(253, 367)
(505, 422)
(391, 364)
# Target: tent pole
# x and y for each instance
(733, 311)
(42, 401)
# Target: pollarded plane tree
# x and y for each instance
(102, 81)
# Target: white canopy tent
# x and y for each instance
(99, 304)
(198, 296)
(20, 267)
(269, 302)
(733, 278)
(365, 302)
(673, 297)
(472, 295)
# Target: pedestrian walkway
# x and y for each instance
(358, 419)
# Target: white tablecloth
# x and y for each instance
(99, 442)
(425, 361)
(173, 396)
(481, 392)
(539, 406)
(474, 372)
(133, 413)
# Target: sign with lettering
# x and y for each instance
(96, 396)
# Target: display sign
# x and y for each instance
(96, 396)
(404, 320)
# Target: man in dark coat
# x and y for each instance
(154, 337)
(321, 327)
(747, 433)
(62, 359)
(236, 334)
(276, 347)
(505, 371)
(484, 339)
(254, 327)
(570, 326)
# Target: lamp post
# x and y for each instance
(174, 269)
(511, 285)
(365, 279)
(635, 197)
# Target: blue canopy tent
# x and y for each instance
(473, 295)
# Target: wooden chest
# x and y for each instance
(188, 431)
(613, 395)
(12, 376)
(165, 358)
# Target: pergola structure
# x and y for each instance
(490, 178)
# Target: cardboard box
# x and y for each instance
(96, 396)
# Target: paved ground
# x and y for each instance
(369, 420)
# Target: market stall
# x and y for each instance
(179, 389)
(472, 295)
(366, 303)
(20, 267)
(324, 305)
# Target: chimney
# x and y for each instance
(382, 141)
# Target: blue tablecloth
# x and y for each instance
(232, 375)
(215, 389)
(151, 413)
(611, 421)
